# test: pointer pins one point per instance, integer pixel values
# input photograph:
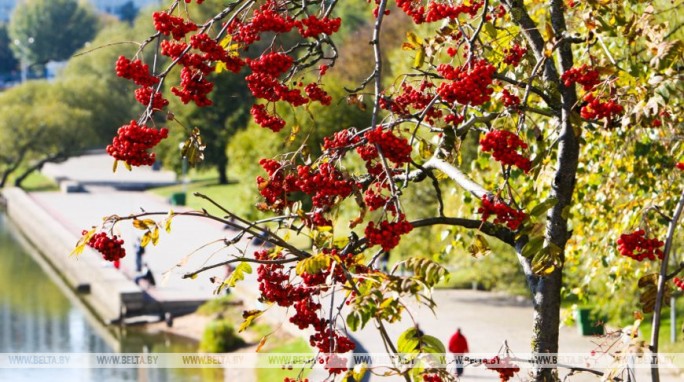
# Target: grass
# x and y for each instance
(267, 372)
(35, 182)
(205, 183)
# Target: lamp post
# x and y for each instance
(23, 59)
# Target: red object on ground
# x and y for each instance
(458, 343)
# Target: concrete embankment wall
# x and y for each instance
(104, 289)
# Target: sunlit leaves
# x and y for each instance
(248, 317)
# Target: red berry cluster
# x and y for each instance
(264, 119)
(499, 11)
(584, 75)
(273, 64)
(679, 283)
(278, 186)
(387, 234)
(264, 19)
(412, 98)
(132, 142)
(197, 1)
(325, 184)
(276, 286)
(680, 166)
(340, 142)
(193, 87)
(514, 55)
(436, 11)
(504, 214)
(135, 71)
(510, 100)
(432, 378)
(146, 94)
(288, 379)
(315, 93)
(504, 146)
(466, 86)
(504, 367)
(597, 109)
(394, 148)
(375, 200)
(177, 50)
(637, 246)
(175, 26)
(111, 248)
(313, 26)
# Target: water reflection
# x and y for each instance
(36, 316)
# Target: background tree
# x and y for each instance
(37, 127)
(8, 62)
(128, 12)
(57, 28)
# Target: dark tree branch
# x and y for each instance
(662, 278)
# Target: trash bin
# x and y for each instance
(589, 323)
(177, 199)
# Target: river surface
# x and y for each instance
(38, 314)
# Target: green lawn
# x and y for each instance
(266, 372)
(35, 182)
(205, 183)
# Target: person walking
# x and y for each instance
(458, 345)
(139, 252)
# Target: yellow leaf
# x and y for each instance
(238, 274)
(82, 243)
(145, 239)
(261, 344)
(414, 39)
(128, 166)
(167, 222)
(155, 236)
(139, 224)
(249, 316)
(115, 165)
(420, 58)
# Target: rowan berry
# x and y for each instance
(504, 214)
(504, 146)
(111, 248)
(132, 142)
(637, 246)
(584, 75)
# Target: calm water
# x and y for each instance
(39, 315)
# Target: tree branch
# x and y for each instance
(662, 278)
(455, 174)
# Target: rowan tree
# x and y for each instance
(556, 95)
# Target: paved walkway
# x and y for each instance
(486, 319)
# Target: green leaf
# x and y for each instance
(430, 344)
(407, 341)
(541, 208)
(490, 30)
(533, 246)
(238, 274)
(353, 321)
(479, 247)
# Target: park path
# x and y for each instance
(487, 319)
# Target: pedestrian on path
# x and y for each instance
(139, 252)
(146, 275)
(458, 345)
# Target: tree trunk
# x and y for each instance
(222, 168)
(37, 166)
